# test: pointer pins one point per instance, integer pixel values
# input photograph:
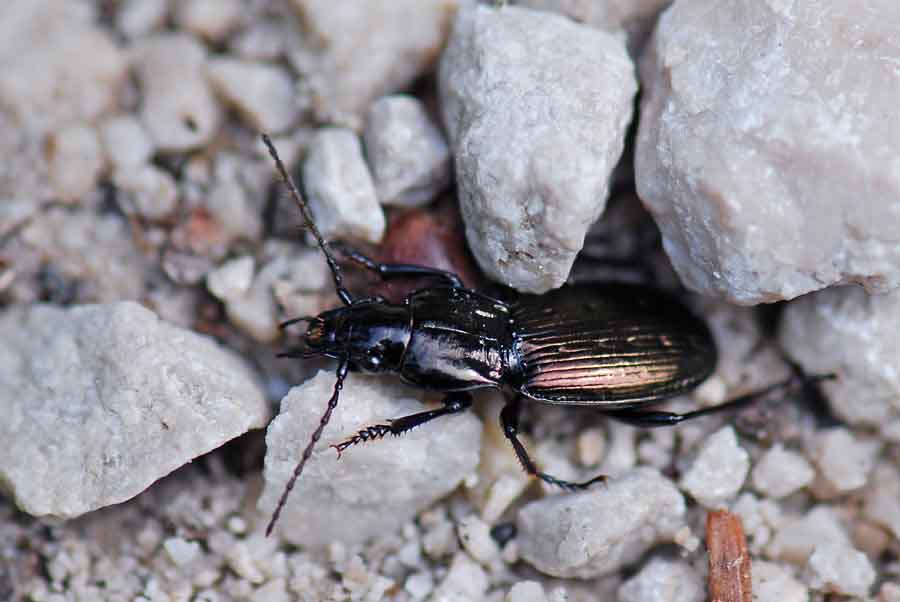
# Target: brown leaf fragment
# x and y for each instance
(729, 561)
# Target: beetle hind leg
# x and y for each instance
(453, 404)
(509, 420)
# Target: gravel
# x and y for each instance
(133, 179)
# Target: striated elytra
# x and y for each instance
(615, 347)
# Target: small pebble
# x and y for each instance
(146, 191)
(794, 540)
(76, 160)
(232, 279)
(843, 459)
(125, 141)
(881, 502)
(408, 155)
(718, 471)
(591, 446)
(840, 569)
(181, 551)
(340, 189)
(136, 18)
(465, 581)
(419, 585)
(209, 19)
(526, 591)
(177, 105)
(476, 539)
(263, 94)
(775, 583)
(662, 580)
(781, 472)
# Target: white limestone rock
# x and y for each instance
(635, 17)
(536, 108)
(840, 569)
(374, 487)
(136, 18)
(210, 19)
(597, 532)
(664, 580)
(102, 400)
(774, 583)
(845, 331)
(780, 472)
(263, 94)
(75, 159)
(339, 187)
(796, 538)
(146, 190)
(719, 470)
(407, 153)
(844, 459)
(40, 83)
(358, 50)
(125, 141)
(767, 145)
(177, 104)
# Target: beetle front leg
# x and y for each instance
(453, 404)
(509, 420)
(400, 270)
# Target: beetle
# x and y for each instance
(615, 347)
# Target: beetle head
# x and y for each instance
(373, 335)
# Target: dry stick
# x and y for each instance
(729, 561)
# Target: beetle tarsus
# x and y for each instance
(453, 404)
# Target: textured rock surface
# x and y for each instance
(263, 94)
(102, 400)
(845, 331)
(767, 145)
(366, 49)
(178, 109)
(718, 471)
(40, 84)
(576, 535)
(663, 580)
(346, 499)
(407, 153)
(635, 17)
(339, 187)
(536, 107)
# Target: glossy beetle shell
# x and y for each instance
(613, 343)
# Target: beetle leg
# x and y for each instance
(653, 418)
(400, 270)
(509, 420)
(453, 404)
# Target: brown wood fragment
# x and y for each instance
(729, 561)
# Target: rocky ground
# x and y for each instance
(733, 154)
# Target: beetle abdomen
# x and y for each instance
(614, 343)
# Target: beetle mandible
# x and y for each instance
(615, 347)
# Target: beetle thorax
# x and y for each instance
(374, 335)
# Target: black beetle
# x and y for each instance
(614, 347)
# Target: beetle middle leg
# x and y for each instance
(453, 404)
(509, 420)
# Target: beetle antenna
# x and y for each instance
(342, 292)
(332, 403)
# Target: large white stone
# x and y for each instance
(374, 487)
(845, 331)
(354, 51)
(767, 145)
(100, 401)
(598, 532)
(536, 108)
